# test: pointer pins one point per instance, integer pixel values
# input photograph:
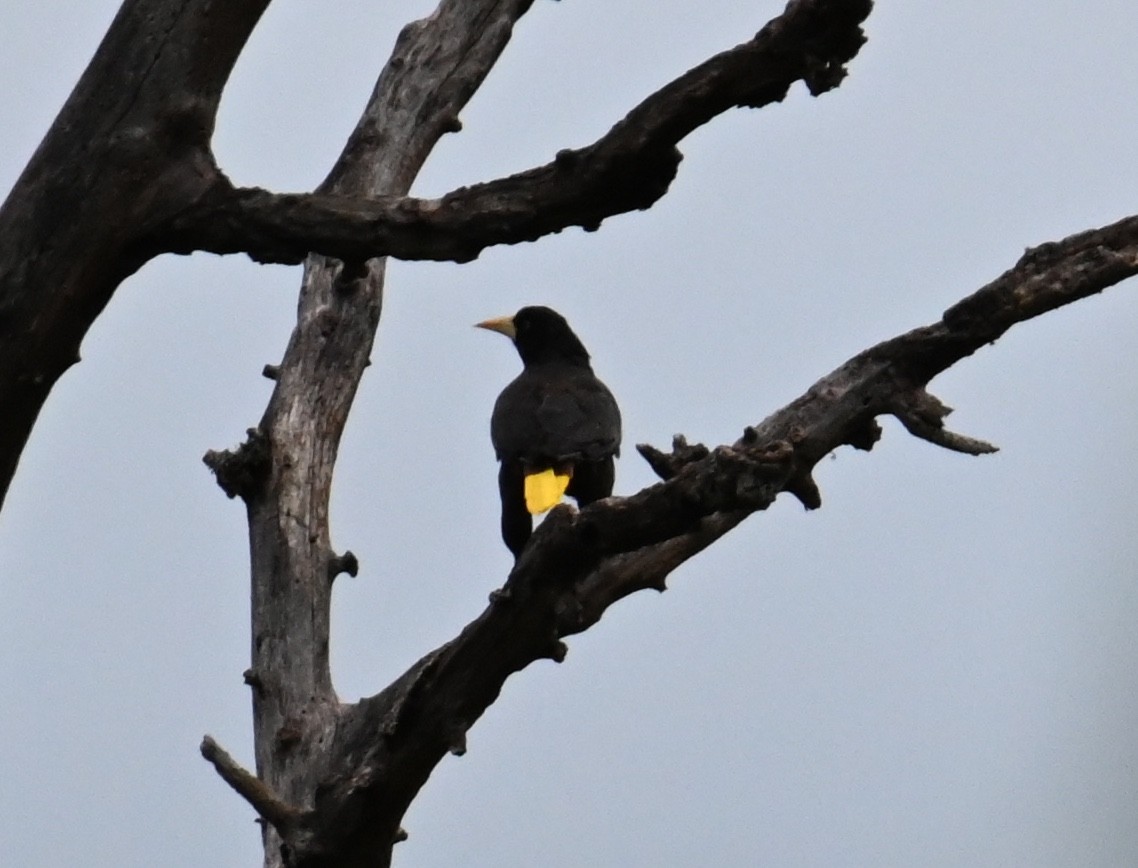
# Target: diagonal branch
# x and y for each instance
(129, 149)
(579, 563)
(255, 791)
(628, 168)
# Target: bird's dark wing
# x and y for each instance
(579, 419)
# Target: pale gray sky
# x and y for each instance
(937, 668)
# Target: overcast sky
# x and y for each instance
(937, 668)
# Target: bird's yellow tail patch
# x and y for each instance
(544, 490)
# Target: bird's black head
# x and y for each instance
(541, 335)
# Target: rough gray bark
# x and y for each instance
(126, 173)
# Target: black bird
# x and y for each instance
(555, 428)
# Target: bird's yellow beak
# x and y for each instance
(503, 325)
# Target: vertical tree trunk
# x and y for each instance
(436, 66)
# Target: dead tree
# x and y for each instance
(127, 173)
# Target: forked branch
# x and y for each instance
(628, 168)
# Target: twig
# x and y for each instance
(264, 801)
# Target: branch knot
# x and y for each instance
(242, 471)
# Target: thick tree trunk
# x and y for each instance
(129, 149)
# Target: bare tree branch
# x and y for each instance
(840, 409)
(263, 800)
(628, 168)
(923, 416)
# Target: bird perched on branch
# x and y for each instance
(555, 428)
